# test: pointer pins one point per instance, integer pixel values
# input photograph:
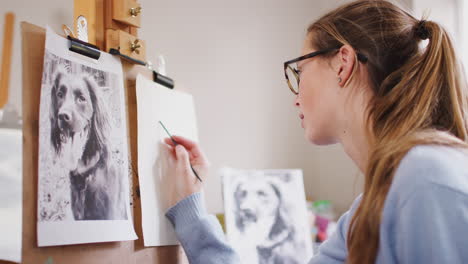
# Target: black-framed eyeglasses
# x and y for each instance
(292, 73)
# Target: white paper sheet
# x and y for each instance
(10, 194)
(176, 111)
(266, 215)
(83, 192)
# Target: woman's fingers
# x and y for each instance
(187, 143)
(169, 142)
(168, 151)
(191, 146)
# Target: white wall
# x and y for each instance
(44, 12)
(229, 55)
(446, 12)
(452, 15)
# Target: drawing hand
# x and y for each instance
(178, 179)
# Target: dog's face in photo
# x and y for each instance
(74, 107)
(256, 201)
(76, 118)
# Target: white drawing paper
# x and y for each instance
(266, 215)
(83, 187)
(11, 202)
(176, 111)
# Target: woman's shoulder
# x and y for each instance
(426, 207)
(426, 166)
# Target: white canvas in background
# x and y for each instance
(176, 111)
(83, 187)
(11, 204)
(266, 215)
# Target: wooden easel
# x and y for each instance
(112, 24)
(131, 252)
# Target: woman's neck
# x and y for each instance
(356, 147)
(353, 136)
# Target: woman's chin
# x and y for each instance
(316, 138)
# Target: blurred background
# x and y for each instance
(229, 55)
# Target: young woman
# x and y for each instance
(400, 110)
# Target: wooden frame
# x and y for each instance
(131, 252)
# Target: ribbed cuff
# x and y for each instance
(187, 211)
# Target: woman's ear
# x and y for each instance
(346, 60)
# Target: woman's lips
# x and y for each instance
(301, 116)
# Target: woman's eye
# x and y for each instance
(81, 99)
(59, 94)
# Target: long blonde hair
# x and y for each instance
(419, 97)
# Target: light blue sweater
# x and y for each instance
(425, 217)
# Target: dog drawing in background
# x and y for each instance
(261, 218)
(79, 134)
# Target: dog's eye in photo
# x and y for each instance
(81, 99)
(61, 92)
(242, 194)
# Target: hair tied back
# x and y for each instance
(421, 30)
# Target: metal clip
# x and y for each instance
(82, 29)
(67, 31)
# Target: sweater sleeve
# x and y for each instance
(432, 226)
(199, 233)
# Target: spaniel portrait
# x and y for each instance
(261, 216)
(80, 132)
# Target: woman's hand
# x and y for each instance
(177, 178)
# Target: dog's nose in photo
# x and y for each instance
(65, 117)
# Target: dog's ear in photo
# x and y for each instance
(100, 125)
(239, 217)
(280, 223)
(55, 131)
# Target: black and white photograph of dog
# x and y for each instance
(266, 224)
(80, 145)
